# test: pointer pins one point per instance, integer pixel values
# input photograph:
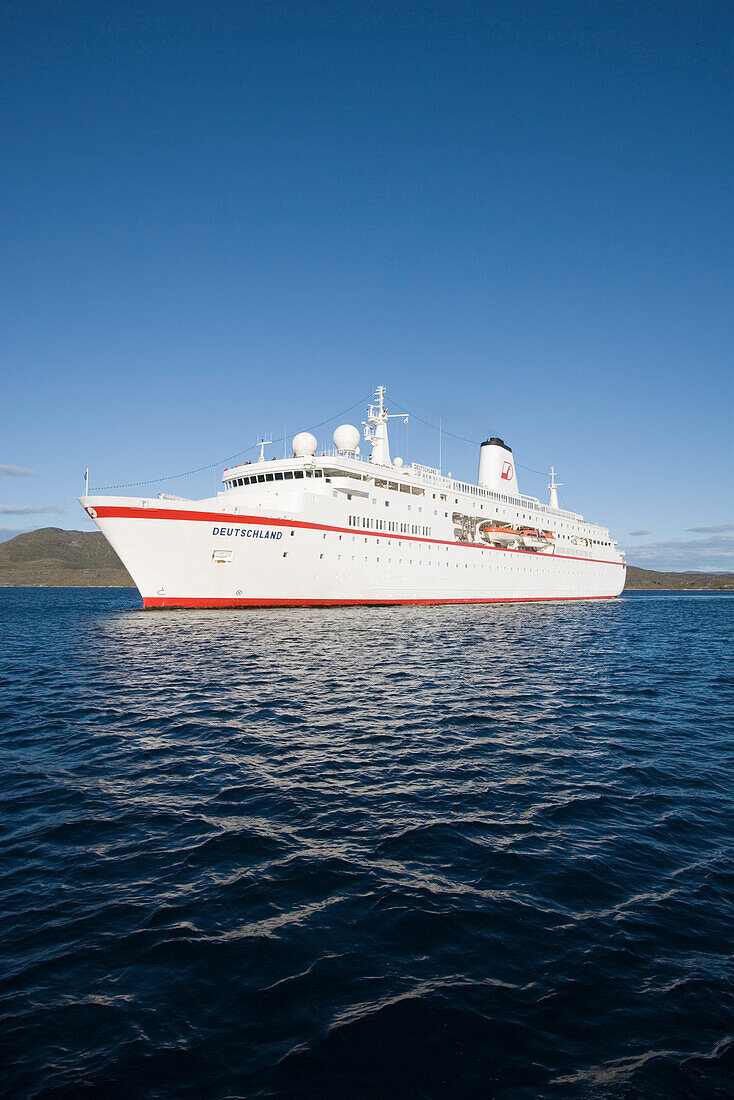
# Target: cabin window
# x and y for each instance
(260, 477)
(278, 477)
(269, 477)
(318, 473)
(298, 473)
(288, 475)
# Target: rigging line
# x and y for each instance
(463, 438)
(238, 454)
(530, 470)
(435, 426)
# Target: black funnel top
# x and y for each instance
(500, 443)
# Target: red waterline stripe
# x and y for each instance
(240, 601)
(113, 511)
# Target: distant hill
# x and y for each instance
(65, 559)
(648, 579)
(61, 559)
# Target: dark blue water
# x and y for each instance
(410, 852)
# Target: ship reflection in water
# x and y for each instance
(457, 851)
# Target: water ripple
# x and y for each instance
(396, 852)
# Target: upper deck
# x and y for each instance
(415, 480)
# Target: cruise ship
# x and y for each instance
(342, 528)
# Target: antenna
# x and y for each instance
(262, 444)
(86, 482)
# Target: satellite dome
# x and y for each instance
(398, 462)
(346, 439)
(304, 444)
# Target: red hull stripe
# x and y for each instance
(297, 601)
(114, 511)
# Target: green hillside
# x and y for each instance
(649, 579)
(55, 558)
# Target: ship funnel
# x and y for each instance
(497, 467)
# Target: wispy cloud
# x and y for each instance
(715, 529)
(713, 554)
(642, 531)
(12, 510)
(10, 532)
(15, 471)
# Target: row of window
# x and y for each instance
(372, 524)
(400, 486)
(286, 475)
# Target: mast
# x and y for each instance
(375, 429)
(554, 487)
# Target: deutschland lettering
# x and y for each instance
(247, 532)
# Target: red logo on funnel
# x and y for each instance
(506, 471)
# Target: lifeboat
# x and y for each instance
(531, 539)
(500, 534)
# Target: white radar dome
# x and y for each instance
(304, 444)
(398, 462)
(346, 439)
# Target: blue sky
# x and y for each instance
(223, 220)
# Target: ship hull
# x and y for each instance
(203, 557)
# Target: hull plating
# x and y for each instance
(203, 557)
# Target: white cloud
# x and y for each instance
(12, 510)
(714, 554)
(15, 471)
(716, 529)
(642, 531)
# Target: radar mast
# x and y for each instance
(554, 487)
(375, 429)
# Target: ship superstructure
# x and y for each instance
(335, 529)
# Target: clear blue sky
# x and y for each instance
(220, 219)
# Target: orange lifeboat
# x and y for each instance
(500, 534)
(531, 539)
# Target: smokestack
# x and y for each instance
(497, 467)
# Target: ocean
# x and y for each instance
(461, 851)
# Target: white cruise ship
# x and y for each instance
(336, 528)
